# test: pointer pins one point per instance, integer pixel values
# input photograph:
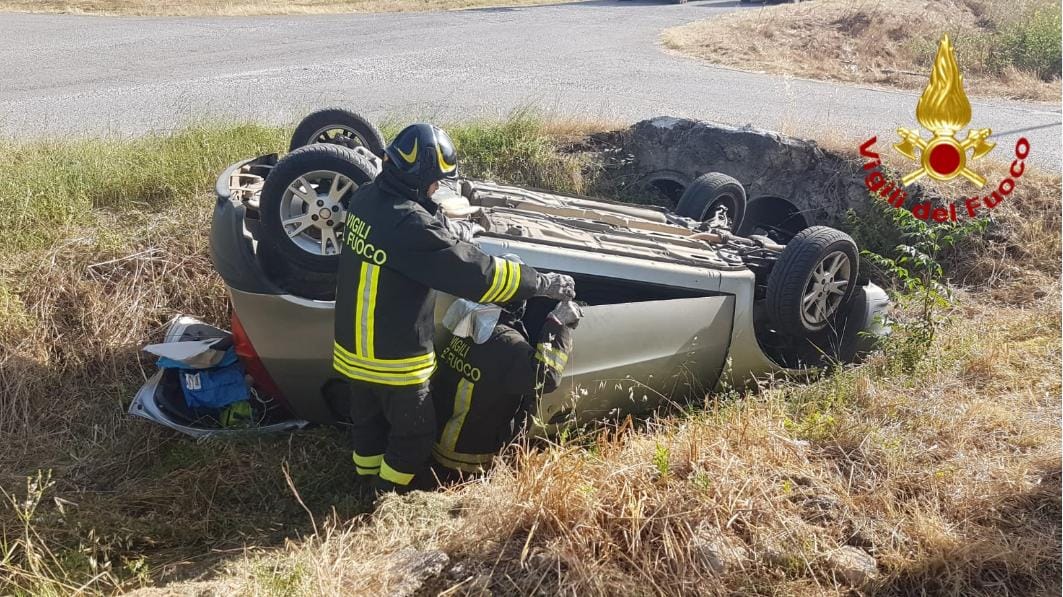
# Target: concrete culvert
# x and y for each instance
(790, 183)
(666, 183)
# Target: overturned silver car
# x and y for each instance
(676, 303)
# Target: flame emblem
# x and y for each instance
(944, 109)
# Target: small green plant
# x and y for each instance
(660, 460)
(921, 288)
(787, 487)
(813, 426)
(702, 481)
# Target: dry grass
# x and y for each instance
(889, 43)
(246, 7)
(949, 478)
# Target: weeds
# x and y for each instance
(1024, 37)
(922, 288)
(34, 568)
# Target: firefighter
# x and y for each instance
(397, 252)
(489, 374)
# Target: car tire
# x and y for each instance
(709, 191)
(802, 295)
(338, 127)
(290, 228)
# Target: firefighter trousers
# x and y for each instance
(392, 432)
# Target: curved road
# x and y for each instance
(62, 74)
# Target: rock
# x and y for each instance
(718, 552)
(853, 565)
(820, 508)
(410, 569)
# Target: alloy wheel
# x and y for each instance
(312, 211)
(826, 288)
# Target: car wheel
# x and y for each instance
(710, 192)
(812, 281)
(304, 204)
(338, 127)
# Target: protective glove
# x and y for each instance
(464, 230)
(556, 286)
(471, 230)
(568, 314)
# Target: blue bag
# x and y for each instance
(213, 388)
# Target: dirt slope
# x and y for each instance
(1005, 49)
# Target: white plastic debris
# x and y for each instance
(195, 354)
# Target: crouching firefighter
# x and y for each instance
(490, 374)
(396, 253)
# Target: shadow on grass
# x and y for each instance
(147, 501)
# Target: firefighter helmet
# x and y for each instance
(422, 154)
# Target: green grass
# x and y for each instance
(50, 189)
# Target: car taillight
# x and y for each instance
(252, 363)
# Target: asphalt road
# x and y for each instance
(66, 74)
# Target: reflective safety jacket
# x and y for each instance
(479, 389)
(395, 255)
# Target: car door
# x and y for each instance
(632, 357)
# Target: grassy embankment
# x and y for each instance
(1005, 48)
(246, 7)
(948, 476)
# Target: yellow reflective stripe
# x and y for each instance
(555, 353)
(503, 283)
(552, 357)
(363, 309)
(367, 461)
(377, 370)
(457, 465)
(498, 281)
(494, 281)
(514, 281)
(462, 402)
(550, 362)
(389, 474)
(367, 471)
(374, 278)
(462, 456)
(359, 323)
(380, 377)
(404, 365)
